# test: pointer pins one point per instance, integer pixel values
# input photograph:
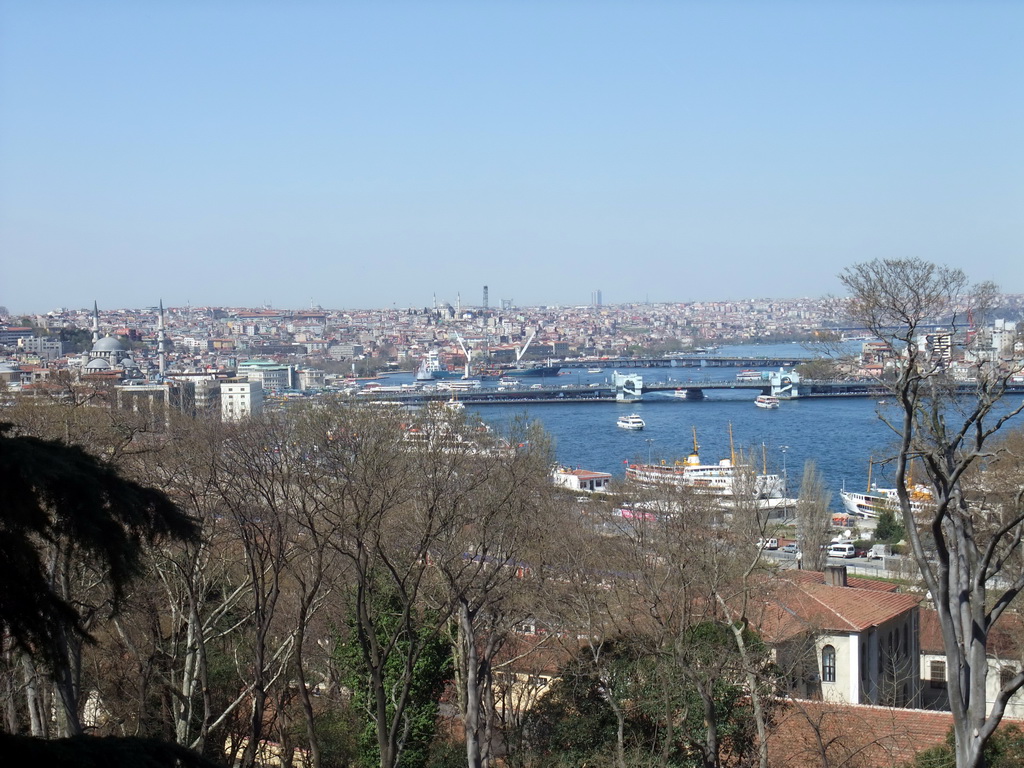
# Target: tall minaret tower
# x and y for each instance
(95, 323)
(161, 339)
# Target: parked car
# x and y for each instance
(842, 550)
(880, 551)
(768, 543)
(789, 549)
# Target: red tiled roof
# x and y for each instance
(1004, 641)
(818, 577)
(799, 604)
(810, 733)
(584, 474)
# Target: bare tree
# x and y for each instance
(948, 431)
(260, 475)
(490, 558)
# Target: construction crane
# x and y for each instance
(468, 352)
(520, 351)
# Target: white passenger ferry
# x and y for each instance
(632, 421)
(719, 479)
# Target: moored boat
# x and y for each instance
(719, 479)
(432, 369)
(877, 500)
(766, 401)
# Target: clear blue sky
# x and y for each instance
(368, 154)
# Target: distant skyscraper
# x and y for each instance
(595, 298)
(485, 297)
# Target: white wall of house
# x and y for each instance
(934, 677)
(876, 666)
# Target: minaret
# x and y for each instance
(95, 323)
(161, 339)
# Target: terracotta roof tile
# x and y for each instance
(1005, 641)
(810, 733)
(818, 577)
(800, 604)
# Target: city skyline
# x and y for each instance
(362, 155)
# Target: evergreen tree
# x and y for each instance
(57, 492)
(430, 672)
(888, 528)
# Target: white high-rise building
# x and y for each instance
(273, 377)
(240, 399)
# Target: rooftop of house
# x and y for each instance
(583, 474)
(852, 734)
(798, 603)
(1005, 641)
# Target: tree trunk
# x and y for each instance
(34, 699)
(469, 663)
(304, 697)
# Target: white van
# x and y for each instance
(842, 550)
(768, 543)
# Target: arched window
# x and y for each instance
(828, 664)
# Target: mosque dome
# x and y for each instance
(97, 364)
(108, 344)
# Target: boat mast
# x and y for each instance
(732, 449)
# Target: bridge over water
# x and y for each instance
(631, 387)
(688, 361)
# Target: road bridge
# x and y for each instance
(631, 387)
(689, 361)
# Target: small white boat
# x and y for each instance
(766, 401)
(595, 370)
(633, 421)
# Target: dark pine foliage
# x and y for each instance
(95, 752)
(53, 492)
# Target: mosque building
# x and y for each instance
(108, 355)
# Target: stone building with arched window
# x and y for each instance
(843, 639)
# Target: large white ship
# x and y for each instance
(876, 500)
(719, 479)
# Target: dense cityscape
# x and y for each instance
(774, 630)
(333, 344)
(511, 384)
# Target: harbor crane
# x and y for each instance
(520, 351)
